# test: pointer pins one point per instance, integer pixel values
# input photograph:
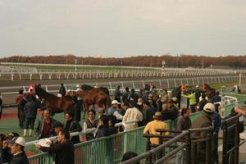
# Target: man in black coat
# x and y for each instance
(62, 90)
(63, 149)
(72, 125)
(17, 145)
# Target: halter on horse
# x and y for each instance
(52, 102)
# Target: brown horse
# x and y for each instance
(53, 103)
(210, 92)
(95, 97)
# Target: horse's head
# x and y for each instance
(205, 87)
(42, 93)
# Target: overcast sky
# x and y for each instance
(119, 28)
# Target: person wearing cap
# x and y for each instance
(151, 127)
(113, 108)
(63, 149)
(205, 120)
(17, 145)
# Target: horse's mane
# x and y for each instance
(86, 87)
(42, 93)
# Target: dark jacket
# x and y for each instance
(73, 126)
(205, 120)
(62, 91)
(64, 152)
(20, 158)
(40, 127)
(103, 131)
(6, 155)
(31, 108)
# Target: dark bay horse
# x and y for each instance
(94, 96)
(210, 92)
(54, 103)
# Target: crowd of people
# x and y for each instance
(148, 107)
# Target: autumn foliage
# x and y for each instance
(148, 61)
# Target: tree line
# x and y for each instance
(179, 61)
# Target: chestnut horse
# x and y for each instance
(94, 96)
(210, 92)
(53, 103)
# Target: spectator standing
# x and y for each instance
(166, 115)
(151, 127)
(111, 123)
(148, 111)
(72, 125)
(216, 122)
(62, 90)
(45, 126)
(117, 94)
(113, 108)
(126, 95)
(30, 110)
(103, 127)
(5, 149)
(133, 95)
(118, 113)
(58, 127)
(192, 100)
(183, 121)
(63, 149)
(78, 106)
(91, 122)
(17, 145)
(203, 102)
(216, 100)
(197, 94)
(205, 120)
(132, 114)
